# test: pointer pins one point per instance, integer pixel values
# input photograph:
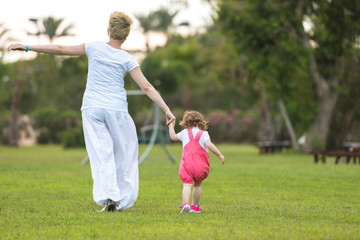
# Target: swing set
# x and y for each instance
(159, 133)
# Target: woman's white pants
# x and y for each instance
(112, 146)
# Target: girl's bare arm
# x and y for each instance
(172, 133)
(214, 150)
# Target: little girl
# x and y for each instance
(194, 165)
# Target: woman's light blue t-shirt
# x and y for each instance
(105, 82)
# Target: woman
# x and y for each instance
(110, 133)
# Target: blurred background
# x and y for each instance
(260, 70)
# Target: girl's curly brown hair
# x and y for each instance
(193, 119)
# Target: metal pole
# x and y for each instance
(153, 135)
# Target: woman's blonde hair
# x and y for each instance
(119, 25)
(194, 119)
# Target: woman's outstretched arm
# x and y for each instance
(75, 50)
(151, 92)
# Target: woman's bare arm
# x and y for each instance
(74, 50)
(151, 92)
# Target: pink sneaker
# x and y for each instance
(195, 209)
(185, 208)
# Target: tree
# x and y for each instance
(147, 23)
(49, 27)
(272, 35)
(157, 21)
(25, 72)
(335, 32)
(4, 38)
(345, 125)
(19, 72)
(199, 67)
(164, 20)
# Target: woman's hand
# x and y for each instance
(16, 47)
(170, 118)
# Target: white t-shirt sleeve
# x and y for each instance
(89, 48)
(132, 64)
(181, 135)
(204, 137)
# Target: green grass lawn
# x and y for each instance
(45, 193)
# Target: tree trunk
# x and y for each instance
(288, 125)
(325, 90)
(327, 94)
(266, 130)
(186, 96)
(317, 136)
(13, 138)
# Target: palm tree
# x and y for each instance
(158, 21)
(147, 23)
(50, 28)
(164, 20)
(3, 39)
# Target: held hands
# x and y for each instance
(16, 47)
(170, 118)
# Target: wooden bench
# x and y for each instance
(273, 146)
(338, 154)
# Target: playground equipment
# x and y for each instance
(158, 132)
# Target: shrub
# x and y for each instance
(232, 126)
(73, 137)
(47, 122)
(51, 124)
(4, 127)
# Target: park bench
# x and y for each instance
(273, 146)
(349, 151)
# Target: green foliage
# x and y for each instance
(335, 32)
(59, 82)
(4, 127)
(234, 126)
(71, 83)
(52, 123)
(346, 124)
(47, 121)
(266, 33)
(278, 49)
(73, 137)
(204, 67)
(46, 80)
(165, 75)
(5, 85)
(280, 196)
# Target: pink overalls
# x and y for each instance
(194, 165)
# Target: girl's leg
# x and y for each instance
(186, 193)
(196, 193)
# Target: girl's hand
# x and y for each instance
(222, 158)
(170, 118)
(16, 47)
